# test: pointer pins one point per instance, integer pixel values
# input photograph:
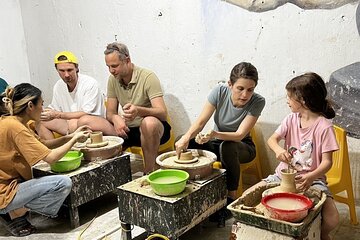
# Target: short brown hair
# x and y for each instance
(120, 48)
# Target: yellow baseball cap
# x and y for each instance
(65, 57)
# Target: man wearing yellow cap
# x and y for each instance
(75, 96)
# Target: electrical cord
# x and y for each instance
(82, 232)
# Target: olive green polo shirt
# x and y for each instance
(143, 87)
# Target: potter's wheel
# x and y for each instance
(171, 161)
(199, 166)
(108, 142)
(186, 157)
(97, 145)
(185, 161)
(111, 148)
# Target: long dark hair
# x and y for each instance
(14, 101)
(310, 90)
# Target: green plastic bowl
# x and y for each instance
(168, 182)
(69, 162)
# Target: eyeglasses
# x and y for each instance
(121, 51)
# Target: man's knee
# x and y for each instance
(83, 120)
(151, 125)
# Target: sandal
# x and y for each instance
(18, 227)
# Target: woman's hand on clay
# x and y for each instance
(204, 138)
(80, 129)
(181, 145)
(83, 128)
(82, 133)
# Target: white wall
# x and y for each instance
(191, 45)
(14, 67)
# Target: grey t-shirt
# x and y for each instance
(228, 118)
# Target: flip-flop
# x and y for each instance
(18, 227)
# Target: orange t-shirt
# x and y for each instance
(20, 149)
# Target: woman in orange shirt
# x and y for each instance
(21, 149)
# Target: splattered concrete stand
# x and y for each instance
(254, 222)
(170, 216)
(91, 180)
(245, 231)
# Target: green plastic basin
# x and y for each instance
(168, 182)
(71, 161)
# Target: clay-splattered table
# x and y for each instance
(91, 180)
(171, 216)
(255, 223)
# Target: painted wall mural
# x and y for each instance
(266, 5)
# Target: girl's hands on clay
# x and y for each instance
(284, 156)
(303, 181)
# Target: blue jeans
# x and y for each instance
(43, 195)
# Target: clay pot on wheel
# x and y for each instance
(111, 149)
(96, 140)
(288, 180)
(186, 155)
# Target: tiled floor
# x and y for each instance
(99, 220)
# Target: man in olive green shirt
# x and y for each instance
(135, 104)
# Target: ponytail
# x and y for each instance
(328, 111)
(6, 107)
(14, 101)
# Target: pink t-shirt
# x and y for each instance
(306, 144)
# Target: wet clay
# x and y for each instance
(186, 157)
(199, 167)
(96, 137)
(288, 180)
(196, 161)
(110, 149)
(287, 183)
(97, 145)
(96, 140)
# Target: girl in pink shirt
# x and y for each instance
(309, 142)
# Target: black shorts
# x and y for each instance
(134, 136)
